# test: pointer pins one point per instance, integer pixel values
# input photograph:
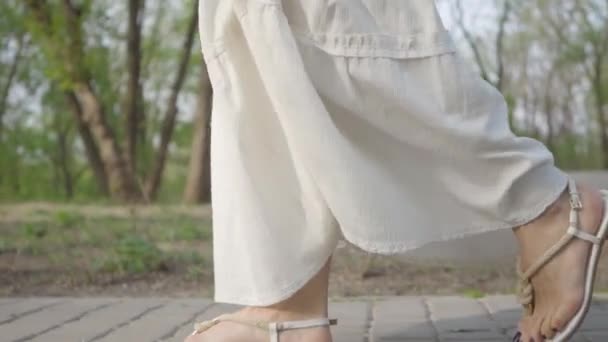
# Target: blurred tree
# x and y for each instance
(58, 29)
(91, 92)
(198, 184)
(168, 124)
(80, 63)
(496, 77)
(554, 80)
(569, 39)
(134, 115)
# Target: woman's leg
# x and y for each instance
(558, 286)
(309, 302)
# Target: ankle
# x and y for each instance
(554, 212)
(557, 215)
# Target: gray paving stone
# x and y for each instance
(397, 319)
(159, 324)
(504, 309)
(596, 336)
(352, 321)
(458, 318)
(98, 324)
(50, 318)
(13, 310)
(582, 338)
(210, 312)
(4, 301)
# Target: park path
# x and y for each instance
(391, 319)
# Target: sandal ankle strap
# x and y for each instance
(306, 324)
(276, 327)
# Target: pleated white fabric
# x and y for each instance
(351, 119)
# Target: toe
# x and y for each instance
(564, 313)
(534, 332)
(546, 330)
(526, 327)
(558, 322)
(517, 337)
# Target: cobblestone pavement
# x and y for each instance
(392, 319)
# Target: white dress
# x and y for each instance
(355, 120)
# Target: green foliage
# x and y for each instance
(133, 254)
(33, 166)
(187, 231)
(108, 245)
(5, 246)
(35, 231)
(66, 219)
(37, 120)
(190, 258)
(474, 293)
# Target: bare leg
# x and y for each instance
(309, 302)
(559, 286)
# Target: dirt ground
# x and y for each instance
(48, 250)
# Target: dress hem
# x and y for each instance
(391, 248)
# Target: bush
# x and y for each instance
(187, 231)
(35, 230)
(133, 254)
(66, 219)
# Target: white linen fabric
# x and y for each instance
(352, 119)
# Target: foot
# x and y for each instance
(559, 285)
(234, 332)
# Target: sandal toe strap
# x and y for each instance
(525, 288)
(199, 328)
(274, 328)
(584, 235)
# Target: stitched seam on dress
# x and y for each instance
(380, 45)
(269, 2)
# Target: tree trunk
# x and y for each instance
(9, 82)
(90, 147)
(121, 181)
(601, 119)
(198, 184)
(63, 164)
(153, 183)
(133, 100)
(549, 107)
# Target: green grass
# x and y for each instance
(474, 293)
(66, 219)
(133, 255)
(34, 231)
(5, 247)
(186, 231)
(69, 241)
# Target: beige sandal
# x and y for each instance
(273, 328)
(525, 289)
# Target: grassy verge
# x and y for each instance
(69, 250)
(167, 251)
